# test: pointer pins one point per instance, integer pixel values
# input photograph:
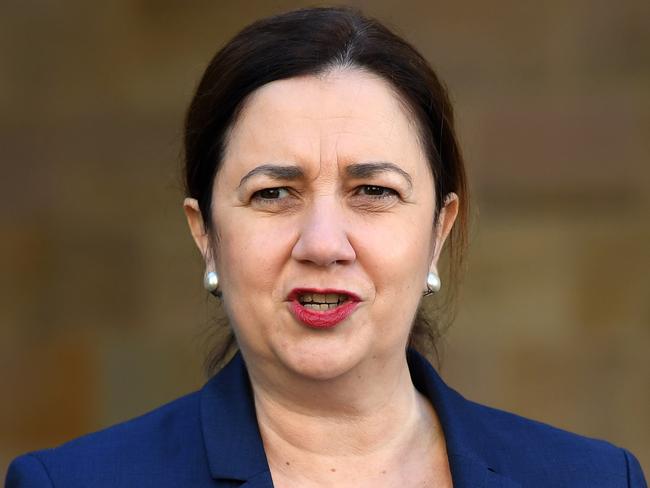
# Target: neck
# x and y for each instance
(370, 409)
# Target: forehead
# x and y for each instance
(343, 116)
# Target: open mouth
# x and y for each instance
(322, 301)
(322, 308)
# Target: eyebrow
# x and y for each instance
(274, 171)
(368, 170)
(355, 170)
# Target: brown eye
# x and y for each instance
(271, 193)
(376, 191)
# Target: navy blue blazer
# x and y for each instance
(210, 438)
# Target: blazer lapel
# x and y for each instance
(261, 480)
(465, 436)
(231, 436)
(468, 472)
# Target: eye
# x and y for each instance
(375, 191)
(271, 194)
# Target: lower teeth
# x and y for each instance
(320, 306)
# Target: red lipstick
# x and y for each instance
(322, 319)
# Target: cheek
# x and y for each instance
(395, 257)
(251, 255)
(394, 252)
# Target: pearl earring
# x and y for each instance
(211, 282)
(433, 283)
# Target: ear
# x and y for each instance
(442, 229)
(195, 222)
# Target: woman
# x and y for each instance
(323, 178)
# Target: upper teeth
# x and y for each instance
(322, 298)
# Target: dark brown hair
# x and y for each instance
(311, 42)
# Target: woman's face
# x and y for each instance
(324, 186)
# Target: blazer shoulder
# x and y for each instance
(521, 445)
(27, 471)
(119, 455)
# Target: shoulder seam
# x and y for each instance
(628, 474)
(40, 461)
(634, 470)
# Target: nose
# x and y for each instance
(323, 236)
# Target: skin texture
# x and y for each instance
(336, 407)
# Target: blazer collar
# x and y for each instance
(234, 445)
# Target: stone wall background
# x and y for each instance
(102, 314)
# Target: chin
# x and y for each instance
(321, 359)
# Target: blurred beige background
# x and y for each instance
(102, 313)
